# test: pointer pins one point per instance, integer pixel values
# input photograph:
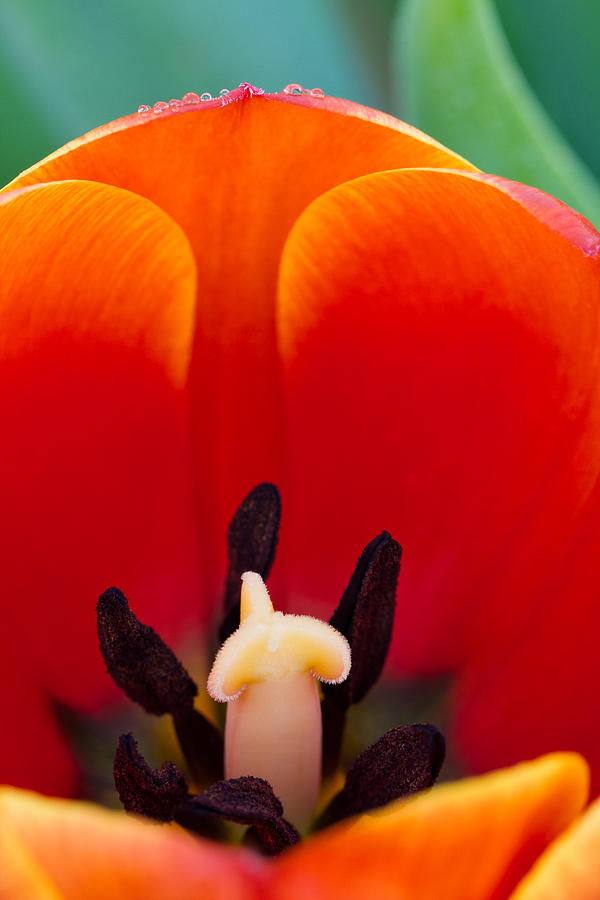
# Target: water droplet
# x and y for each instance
(143, 108)
(159, 106)
(175, 102)
(251, 88)
(317, 92)
(191, 97)
(205, 96)
(223, 91)
(293, 89)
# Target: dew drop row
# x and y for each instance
(193, 97)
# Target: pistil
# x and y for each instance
(266, 671)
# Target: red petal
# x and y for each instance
(32, 751)
(440, 333)
(96, 301)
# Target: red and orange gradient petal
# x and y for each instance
(235, 178)
(97, 300)
(439, 332)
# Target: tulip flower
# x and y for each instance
(516, 833)
(288, 287)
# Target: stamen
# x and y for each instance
(266, 672)
(365, 615)
(247, 801)
(139, 660)
(201, 744)
(251, 543)
(155, 793)
(405, 760)
(148, 671)
(162, 795)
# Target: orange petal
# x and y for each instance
(97, 295)
(21, 875)
(570, 867)
(441, 380)
(51, 849)
(75, 252)
(470, 840)
(235, 177)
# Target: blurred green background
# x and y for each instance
(514, 85)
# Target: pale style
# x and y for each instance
(267, 671)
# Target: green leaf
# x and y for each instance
(558, 54)
(458, 80)
(67, 66)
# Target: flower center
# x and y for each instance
(280, 736)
